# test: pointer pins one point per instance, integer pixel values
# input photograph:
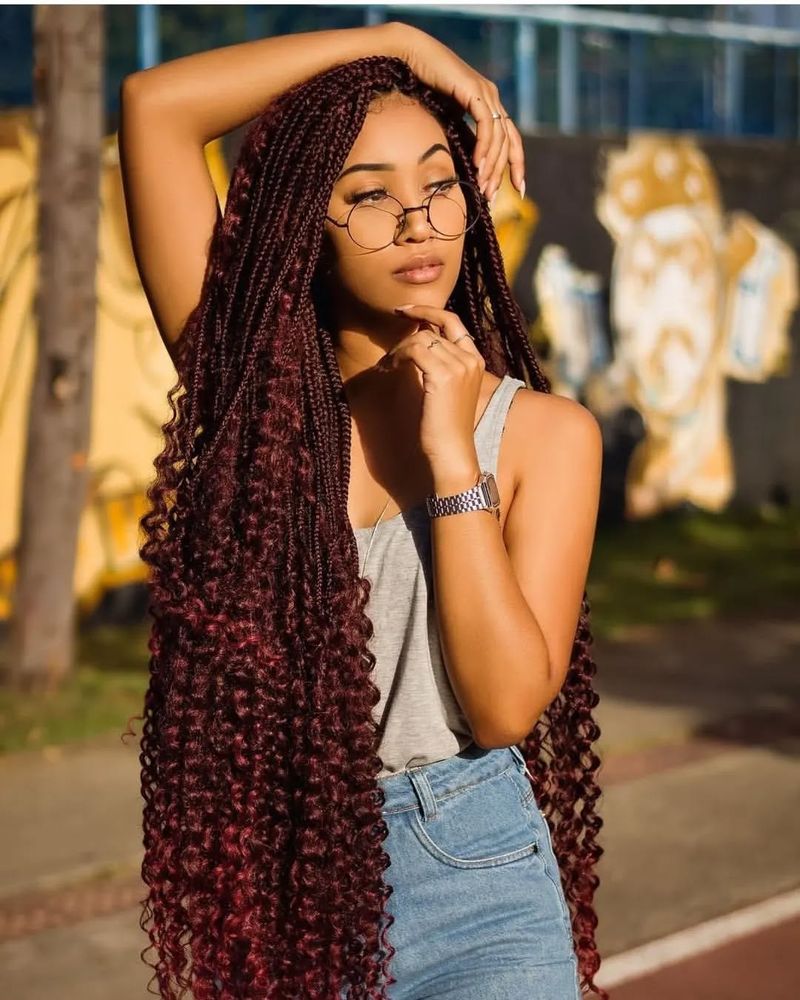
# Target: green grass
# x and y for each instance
(682, 566)
(105, 690)
(693, 566)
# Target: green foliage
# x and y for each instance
(694, 565)
(105, 690)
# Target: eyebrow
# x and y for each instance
(390, 166)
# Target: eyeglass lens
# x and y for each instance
(374, 224)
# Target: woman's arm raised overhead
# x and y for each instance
(170, 112)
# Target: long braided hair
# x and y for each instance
(262, 818)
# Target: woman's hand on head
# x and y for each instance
(498, 140)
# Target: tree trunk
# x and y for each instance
(68, 85)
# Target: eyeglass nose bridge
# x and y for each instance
(402, 217)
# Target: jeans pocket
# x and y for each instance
(547, 856)
(541, 828)
(478, 826)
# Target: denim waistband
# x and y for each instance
(413, 787)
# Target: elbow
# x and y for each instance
(132, 99)
(513, 722)
(499, 735)
(487, 742)
(131, 87)
(139, 89)
(493, 734)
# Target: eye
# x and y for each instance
(445, 184)
(364, 195)
(376, 194)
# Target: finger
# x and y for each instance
(494, 161)
(444, 319)
(464, 342)
(431, 361)
(476, 108)
(479, 109)
(497, 177)
(516, 157)
(460, 339)
(489, 161)
(451, 350)
(451, 326)
(493, 107)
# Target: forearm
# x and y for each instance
(211, 93)
(494, 650)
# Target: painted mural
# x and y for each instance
(514, 221)
(572, 317)
(696, 296)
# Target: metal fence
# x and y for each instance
(584, 69)
(559, 68)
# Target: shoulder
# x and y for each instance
(547, 431)
(551, 412)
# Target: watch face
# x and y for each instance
(491, 488)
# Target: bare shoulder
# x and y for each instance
(547, 431)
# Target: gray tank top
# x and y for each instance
(418, 717)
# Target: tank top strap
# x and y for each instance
(492, 423)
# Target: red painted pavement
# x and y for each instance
(762, 966)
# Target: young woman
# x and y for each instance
(371, 693)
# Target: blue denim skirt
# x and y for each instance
(478, 905)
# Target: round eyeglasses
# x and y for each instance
(376, 222)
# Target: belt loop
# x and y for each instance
(422, 787)
(520, 757)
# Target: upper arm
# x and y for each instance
(171, 204)
(550, 526)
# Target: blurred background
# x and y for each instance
(655, 257)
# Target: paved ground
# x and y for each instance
(701, 806)
(757, 967)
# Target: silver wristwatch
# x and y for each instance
(484, 495)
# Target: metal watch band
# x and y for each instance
(483, 496)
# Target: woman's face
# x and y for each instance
(401, 151)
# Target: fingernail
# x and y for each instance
(480, 166)
(522, 190)
(399, 309)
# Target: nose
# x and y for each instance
(416, 226)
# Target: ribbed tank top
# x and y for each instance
(418, 717)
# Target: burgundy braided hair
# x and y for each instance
(262, 817)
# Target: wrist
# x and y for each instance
(455, 479)
(393, 37)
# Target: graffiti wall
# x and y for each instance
(661, 282)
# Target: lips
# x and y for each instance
(419, 262)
